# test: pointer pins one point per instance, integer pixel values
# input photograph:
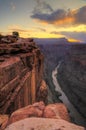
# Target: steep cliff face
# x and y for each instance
(72, 77)
(21, 75)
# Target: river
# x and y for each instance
(78, 119)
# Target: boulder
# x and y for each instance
(43, 124)
(35, 110)
(58, 111)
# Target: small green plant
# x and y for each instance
(15, 34)
(0, 37)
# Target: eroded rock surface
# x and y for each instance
(35, 110)
(43, 124)
(58, 111)
(41, 117)
(21, 74)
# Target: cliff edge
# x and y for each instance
(21, 75)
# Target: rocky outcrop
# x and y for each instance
(21, 75)
(72, 77)
(52, 116)
(35, 110)
(38, 109)
(3, 121)
(57, 111)
(43, 124)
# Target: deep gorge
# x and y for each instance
(71, 73)
(26, 85)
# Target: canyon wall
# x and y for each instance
(21, 75)
(72, 77)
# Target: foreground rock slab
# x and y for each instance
(35, 110)
(43, 124)
(56, 111)
(38, 109)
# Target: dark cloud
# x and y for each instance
(50, 18)
(80, 15)
(60, 16)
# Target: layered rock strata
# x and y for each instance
(21, 75)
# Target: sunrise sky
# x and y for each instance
(44, 18)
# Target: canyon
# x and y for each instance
(27, 92)
(71, 75)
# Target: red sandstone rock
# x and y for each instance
(3, 121)
(43, 92)
(43, 124)
(35, 110)
(25, 40)
(40, 105)
(56, 111)
(21, 73)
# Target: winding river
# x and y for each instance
(78, 119)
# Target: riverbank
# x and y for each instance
(52, 94)
(77, 118)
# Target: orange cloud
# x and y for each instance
(67, 20)
(62, 17)
(42, 22)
